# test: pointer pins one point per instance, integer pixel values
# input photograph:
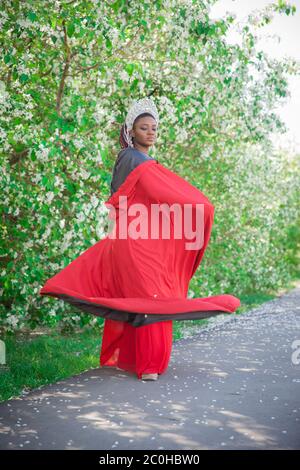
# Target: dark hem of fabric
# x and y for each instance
(135, 319)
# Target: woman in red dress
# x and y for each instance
(138, 282)
(145, 350)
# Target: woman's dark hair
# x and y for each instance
(140, 116)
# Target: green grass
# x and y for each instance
(34, 361)
(46, 359)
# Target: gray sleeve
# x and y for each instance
(127, 160)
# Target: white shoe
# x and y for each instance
(149, 376)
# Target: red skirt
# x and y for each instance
(142, 350)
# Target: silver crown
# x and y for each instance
(144, 105)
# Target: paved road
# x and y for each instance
(232, 386)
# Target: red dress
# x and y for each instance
(139, 284)
(142, 350)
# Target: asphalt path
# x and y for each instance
(234, 385)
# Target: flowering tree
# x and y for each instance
(69, 70)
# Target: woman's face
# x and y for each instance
(144, 131)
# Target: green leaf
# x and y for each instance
(129, 69)
(24, 78)
(108, 44)
(70, 29)
(32, 16)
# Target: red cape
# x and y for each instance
(143, 280)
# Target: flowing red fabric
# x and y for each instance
(148, 277)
